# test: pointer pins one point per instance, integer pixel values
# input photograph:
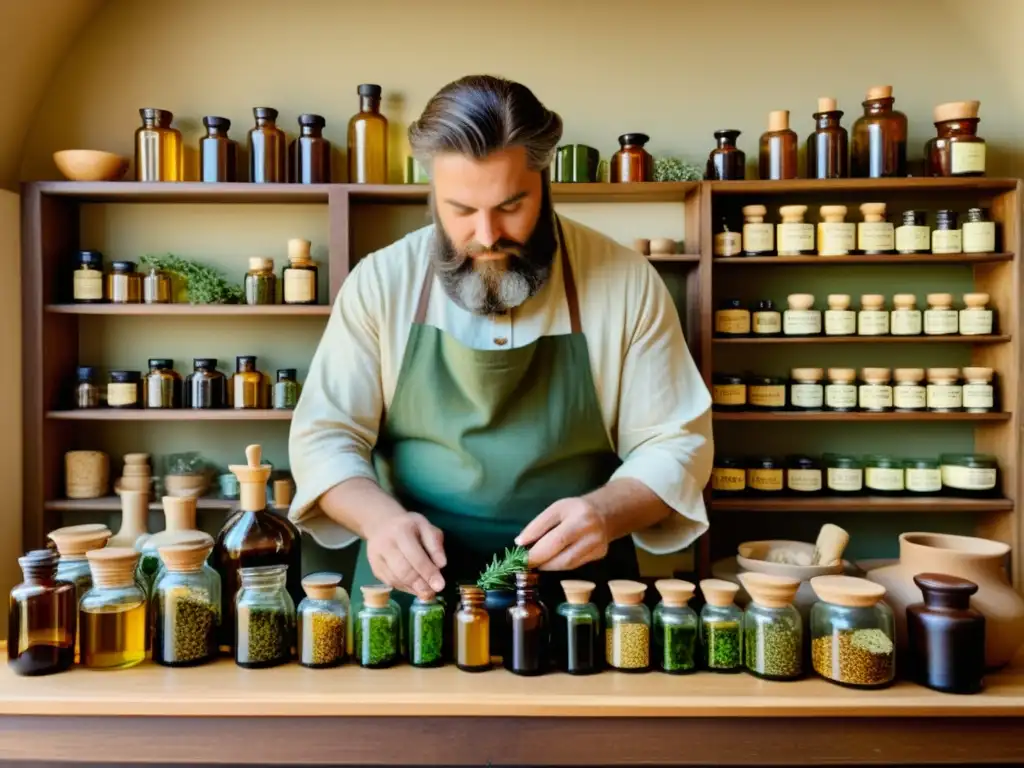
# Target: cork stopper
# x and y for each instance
(578, 592)
(180, 512)
(800, 301)
(778, 120)
(839, 301)
(642, 245)
(298, 250)
(191, 538)
(943, 374)
(626, 592)
(662, 246)
(956, 110)
(879, 92)
(321, 586)
(875, 375)
(873, 211)
(842, 375)
(872, 301)
(792, 214)
(719, 592)
(261, 263)
(180, 558)
(848, 591)
(940, 300)
(754, 213)
(807, 374)
(768, 590)
(282, 493)
(908, 375)
(832, 213)
(76, 540)
(376, 595)
(904, 301)
(976, 300)
(826, 104)
(253, 478)
(113, 566)
(972, 373)
(675, 593)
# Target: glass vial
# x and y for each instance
(161, 387)
(286, 390)
(765, 319)
(368, 139)
(835, 236)
(426, 632)
(875, 235)
(879, 146)
(875, 391)
(218, 154)
(913, 236)
(675, 630)
(124, 284)
(758, 236)
(978, 392)
(156, 287)
(976, 319)
(840, 320)
(778, 148)
(309, 157)
(632, 162)
(956, 150)
(940, 319)
(157, 147)
(795, 236)
(806, 391)
(978, 233)
(87, 392)
(248, 385)
(841, 390)
(801, 319)
(87, 283)
(944, 392)
(260, 282)
(322, 619)
(577, 630)
(472, 631)
(905, 318)
(946, 237)
(264, 618)
(727, 162)
(528, 629)
(267, 149)
(42, 618)
(909, 393)
(112, 615)
(728, 242)
(299, 277)
(205, 387)
(873, 318)
(627, 624)
(124, 390)
(828, 146)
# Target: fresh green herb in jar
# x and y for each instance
(677, 652)
(722, 644)
(427, 635)
(378, 644)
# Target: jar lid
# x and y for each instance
(122, 377)
(826, 104)
(204, 362)
(76, 540)
(873, 211)
(872, 301)
(161, 116)
(298, 249)
(778, 120)
(978, 374)
(630, 139)
(286, 373)
(245, 359)
(764, 462)
(976, 300)
(113, 566)
(185, 556)
(940, 299)
(945, 584)
(161, 362)
(875, 374)
(943, 373)
(191, 538)
(769, 590)
(215, 121)
(264, 113)
(730, 462)
(881, 460)
(807, 374)
(675, 593)
(369, 89)
(261, 264)
(838, 300)
(841, 461)
(765, 305)
(730, 304)
(122, 266)
(908, 375)
(309, 119)
(90, 257)
(916, 218)
(848, 591)
(832, 212)
(802, 462)
(752, 211)
(974, 460)
(946, 216)
(792, 212)
(38, 559)
(726, 378)
(86, 372)
(842, 375)
(921, 463)
(879, 92)
(904, 301)
(727, 133)
(719, 592)
(956, 110)
(577, 592)
(800, 300)
(322, 585)
(627, 592)
(767, 381)
(376, 595)
(976, 215)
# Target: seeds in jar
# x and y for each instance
(678, 647)
(264, 636)
(773, 649)
(186, 628)
(627, 645)
(854, 657)
(328, 633)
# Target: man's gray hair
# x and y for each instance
(481, 114)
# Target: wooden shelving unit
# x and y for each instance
(993, 339)
(135, 415)
(926, 506)
(882, 418)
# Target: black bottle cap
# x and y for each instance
(727, 133)
(730, 462)
(204, 362)
(765, 462)
(123, 377)
(368, 89)
(801, 462)
(86, 372)
(265, 113)
(122, 266)
(286, 373)
(317, 121)
(730, 304)
(764, 305)
(633, 138)
(220, 123)
(915, 218)
(161, 362)
(90, 258)
(159, 116)
(243, 359)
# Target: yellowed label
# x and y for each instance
(913, 238)
(923, 480)
(946, 241)
(801, 322)
(768, 395)
(728, 244)
(758, 238)
(967, 157)
(729, 394)
(847, 480)
(735, 321)
(840, 322)
(906, 322)
(807, 395)
(875, 397)
(299, 286)
(767, 322)
(765, 479)
(940, 322)
(836, 238)
(873, 322)
(976, 322)
(979, 396)
(804, 480)
(88, 285)
(875, 236)
(796, 238)
(883, 478)
(979, 236)
(909, 397)
(728, 479)
(841, 396)
(945, 396)
(122, 393)
(968, 478)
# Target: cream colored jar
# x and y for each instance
(905, 319)
(875, 235)
(976, 319)
(801, 319)
(795, 237)
(940, 319)
(840, 320)
(836, 237)
(944, 392)
(875, 390)
(979, 394)
(873, 318)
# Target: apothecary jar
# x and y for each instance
(675, 628)
(323, 621)
(721, 627)
(627, 624)
(772, 627)
(378, 628)
(185, 606)
(264, 616)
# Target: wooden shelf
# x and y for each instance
(841, 261)
(926, 505)
(177, 414)
(747, 340)
(113, 504)
(857, 416)
(644, 192)
(191, 310)
(906, 185)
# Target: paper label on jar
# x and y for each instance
(913, 238)
(946, 241)
(873, 322)
(299, 285)
(804, 480)
(945, 396)
(923, 480)
(758, 238)
(796, 238)
(883, 478)
(841, 396)
(728, 479)
(978, 396)
(967, 157)
(807, 395)
(906, 322)
(875, 397)
(733, 321)
(88, 285)
(909, 397)
(976, 322)
(848, 480)
(875, 236)
(836, 238)
(940, 322)
(728, 244)
(765, 479)
(122, 393)
(840, 322)
(979, 236)
(801, 322)
(968, 478)
(729, 394)
(768, 395)
(767, 322)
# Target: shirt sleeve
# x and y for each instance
(664, 425)
(335, 424)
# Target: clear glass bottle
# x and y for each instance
(124, 390)
(427, 637)
(124, 284)
(835, 236)
(777, 152)
(765, 319)
(879, 142)
(875, 235)
(157, 147)
(940, 319)
(309, 157)
(726, 162)
(87, 282)
(675, 628)
(728, 242)
(265, 618)
(873, 317)
(156, 287)
(801, 318)
(944, 392)
(268, 151)
(112, 615)
(828, 146)
(803, 475)
(852, 632)
(841, 390)
(883, 476)
(922, 477)
(844, 475)
(806, 391)
(576, 631)
(41, 618)
(909, 394)
(758, 235)
(72, 542)
(914, 236)
(323, 621)
(772, 627)
(161, 387)
(218, 154)
(976, 319)
(87, 392)
(260, 282)
(627, 623)
(978, 392)
(795, 237)
(185, 607)
(286, 390)
(875, 391)
(957, 150)
(205, 387)
(299, 277)
(368, 139)
(529, 629)
(248, 385)
(377, 628)
(947, 237)
(905, 318)
(840, 320)
(721, 627)
(472, 630)
(978, 234)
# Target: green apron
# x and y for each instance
(482, 441)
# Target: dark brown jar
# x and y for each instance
(267, 149)
(218, 155)
(205, 387)
(879, 137)
(528, 629)
(162, 385)
(632, 162)
(42, 618)
(727, 162)
(946, 636)
(957, 150)
(309, 159)
(828, 147)
(777, 152)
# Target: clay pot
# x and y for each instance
(979, 560)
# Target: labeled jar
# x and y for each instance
(909, 394)
(299, 278)
(161, 387)
(205, 387)
(124, 390)
(979, 234)
(765, 476)
(528, 651)
(186, 606)
(940, 319)
(758, 236)
(956, 150)
(841, 390)
(675, 628)
(844, 475)
(472, 630)
(766, 393)
(972, 474)
(803, 475)
(945, 394)
(721, 627)
(806, 390)
(732, 319)
(978, 392)
(42, 618)
(124, 284)
(378, 628)
(836, 237)
(728, 392)
(976, 319)
(883, 475)
(922, 477)
(946, 237)
(840, 320)
(913, 235)
(765, 319)
(87, 392)
(794, 236)
(286, 390)
(905, 319)
(873, 318)
(772, 627)
(248, 385)
(112, 615)
(627, 624)
(728, 476)
(264, 618)
(87, 283)
(322, 619)
(875, 235)
(801, 319)
(260, 282)
(875, 391)
(426, 632)
(728, 242)
(577, 630)
(156, 287)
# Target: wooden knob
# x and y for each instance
(842, 375)
(973, 373)
(757, 212)
(792, 214)
(904, 301)
(839, 301)
(976, 300)
(879, 375)
(800, 300)
(873, 211)
(253, 455)
(940, 299)
(832, 212)
(908, 375)
(872, 301)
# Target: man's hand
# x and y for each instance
(407, 553)
(568, 534)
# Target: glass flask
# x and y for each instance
(472, 630)
(41, 619)
(299, 277)
(721, 627)
(112, 615)
(772, 627)
(151, 568)
(727, 162)
(377, 628)
(268, 151)
(577, 627)
(309, 157)
(260, 282)
(72, 543)
(529, 630)
(265, 617)
(828, 147)
(957, 150)
(852, 632)
(248, 385)
(205, 387)
(675, 628)
(879, 145)
(161, 387)
(156, 287)
(627, 624)
(324, 621)
(157, 147)
(218, 154)
(185, 606)
(368, 139)
(777, 154)
(427, 632)
(632, 162)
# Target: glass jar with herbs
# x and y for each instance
(264, 618)
(186, 607)
(87, 392)
(112, 615)
(427, 632)
(260, 282)
(205, 387)
(322, 619)
(576, 630)
(674, 644)
(286, 390)
(377, 628)
(721, 627)
(627, 624)
(852, 632)
(87, 284)
(161, 387)
(151, 568)
(41, 618)
(844, 475)
(772, 627)
(472, 630)
(124, 284)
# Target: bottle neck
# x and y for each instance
(526, 595)
(963, 127)
(215, 133)
(828, 119)
(312, 131)
(726, 142)
(264, 582)
(369, 104)
(265, 122)
(946, 601)
(878, 106)
(42, 575)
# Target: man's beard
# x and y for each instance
(495, 287)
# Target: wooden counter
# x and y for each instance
(404, 715)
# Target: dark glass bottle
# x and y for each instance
(946, 636)
(267, 149)
(528, 629)
(205, 387)
(957, 150)
(632, 162)
(368, 139)
(777, 152)
(828, 146)
(254, 536)
(309, 158)
(218, 155)
(879, 138)
(727, 162)
(43, 618)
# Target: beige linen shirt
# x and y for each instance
(656, 409)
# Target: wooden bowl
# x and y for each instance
(756, 556)
(90, 165)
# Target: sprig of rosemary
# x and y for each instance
(205, 285)
(501, 574)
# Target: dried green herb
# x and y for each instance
(501, 574)
(378, 640)
(186, 629)
(264, 636)
(205, 285)
(427, 635)
(678, 643)
(773, 649)
(722, 644)
(328, 646)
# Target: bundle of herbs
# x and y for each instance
(501, 574)
(203, 284)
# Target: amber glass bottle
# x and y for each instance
(879, 137)
(267, 149)
(528, 629)
(727, 162)
(828, 147)
(957, 150)
(777, 152)
(248, 385)
(309, 158)
(368, 139)
(157, 147)
(472, 633)
(161, 387)
(42, 619)
(218, 155)
(632, 162)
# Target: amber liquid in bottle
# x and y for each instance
(248, 385)
(472, 631)
(41, 618)
(879, 138)
(309, 158)
(267, 149)
(777, 152)
(218, 155)
(157, 147)
(632, 162)
(828, 146)
(368, 140)
(114, 637)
